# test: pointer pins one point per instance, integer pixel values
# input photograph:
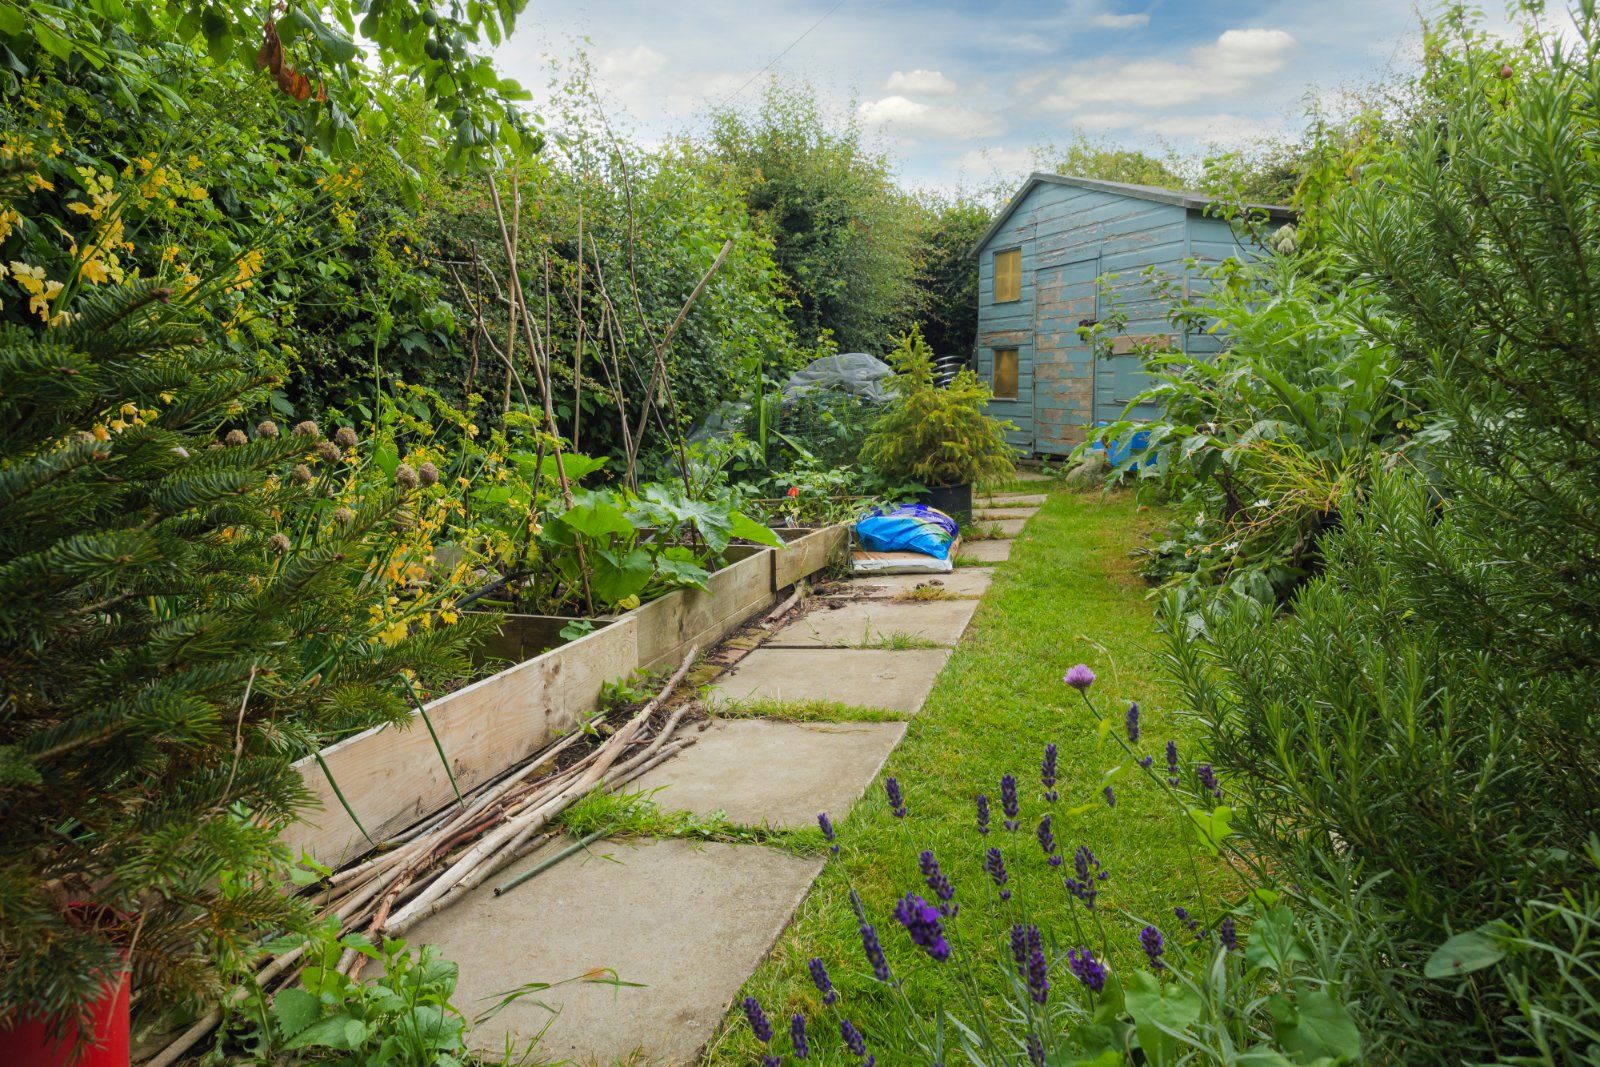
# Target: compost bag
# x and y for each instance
(908, 528)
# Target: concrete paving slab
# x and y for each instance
(963, 582)
(870, 623)
(1034, 476)
(1005, 527)
(898, 681)
(993, 551)
(995, 514)
(777, 773)
(689, 921)
(1012, 500)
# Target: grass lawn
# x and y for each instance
(1068, 594)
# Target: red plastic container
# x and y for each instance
(29, 1044)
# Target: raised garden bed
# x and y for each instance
(392, 778)
(807, 551)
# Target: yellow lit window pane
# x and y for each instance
(1008, 276)
(1005, 373)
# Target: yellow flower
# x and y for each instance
(94, 270)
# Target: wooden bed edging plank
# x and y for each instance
(393, 777)
(809, 552)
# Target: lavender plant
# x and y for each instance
(1241, 982)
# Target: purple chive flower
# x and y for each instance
(1080, 677)
(983, 815)
(938, 884)
(1047, 841)
(1208, 780)
(897, 799)
(1008, 800)
(1154, 945)
(995, 866)
(1086, 886)
(853, 1038)
(1038, 969)
(1172, 763)
(827, 831)
(758, 1020)
(874, 950)
(921, 921)
(1088, 970)
(797, 1037)
(1111, 796)
(1228, 934)
(1035, 1050)
(824, 984)
(1047, 772)
(1133, 722)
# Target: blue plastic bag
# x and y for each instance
(908, 528)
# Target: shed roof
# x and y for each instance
(1177, 197)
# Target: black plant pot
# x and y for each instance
(954, 500)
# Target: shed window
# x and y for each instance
(1008, 276)
(1005, 374)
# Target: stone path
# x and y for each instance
(689, 922)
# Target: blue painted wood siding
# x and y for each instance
(1060, 390)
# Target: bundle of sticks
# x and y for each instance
(432, 865)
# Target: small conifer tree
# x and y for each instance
(937, 436)
(188, 608)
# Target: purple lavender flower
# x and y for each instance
(1080, 677)
(983, 815)
(827, 831)
(1208, 780)
(921, 921)
(1047, 772)
(1035, 1050)
(1145, 761)
(1172, 763)
(853, 1039)
(938, 884)
(856, 905)
(1133, 723)
(824, 984)
(874, 950)
(758, 1020)
(995, 866)
(1047, 841)
(856, 1042)
(1090, 874)
(1008, 801)
(1038, 968)
(1151, 941)
(1088, 970)
(797, 1037)
(1019, 948)
(1111, 796)
(1188, 920)
(897, 799)
(769, 1060)
(1228, 934)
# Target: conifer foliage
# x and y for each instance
(189, 607)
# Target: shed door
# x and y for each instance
(1063, 363)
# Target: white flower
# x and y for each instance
(1263, 503)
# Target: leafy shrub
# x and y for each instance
(1414, 742)
(189, 608)
(1267, 443)
(932, 435)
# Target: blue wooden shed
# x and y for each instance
(1039, 266)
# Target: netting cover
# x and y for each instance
(850, 373)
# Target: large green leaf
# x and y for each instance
(1467, 952)
(743, 526)
(1160, 1016)
(294, 1009)
(596, 517)
(618, 576)
(1314, 1025)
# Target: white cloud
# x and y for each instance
(1227, 68)
(1133, 21)
(640, 61)
(902, 115)
(987, 161)
(932, 82)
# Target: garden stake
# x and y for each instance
(545, 864)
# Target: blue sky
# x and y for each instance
(960, 92)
